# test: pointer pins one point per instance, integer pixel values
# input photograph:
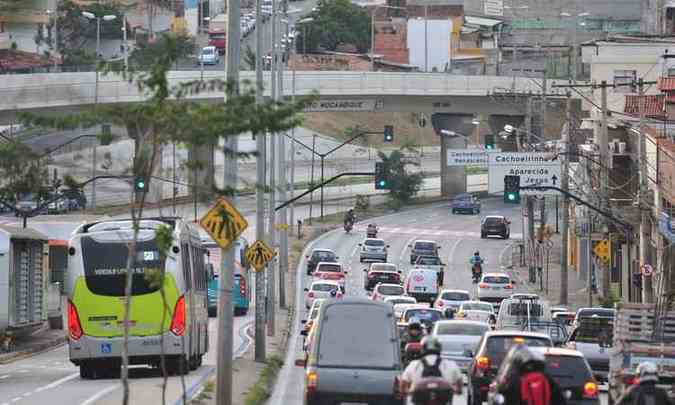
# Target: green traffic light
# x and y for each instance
(383, 183)
(511, 197)
(141, 184)
(489, 147)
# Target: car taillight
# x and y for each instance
(633, 380)
(590, 390)
(312, 380)
(178, 321)
(482, 285)
(483, 363)
(74, 327)
(242, 287)
(440, 303)
(339, 294)
(310, 295)
(371, 275)
(508, 286)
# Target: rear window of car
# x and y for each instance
(496, 280)
(390, 290)
(424, 246)
(429, 261)
(373, 347)
(324, 256)
(461, 329)
(455, 296)
(568, 371)
(521, 309)
(330, 267)
(422, 315)
(396, 301)
(498, 346)
(603, 312)
(323, 287)
(463, 197)
(382, 267)
(374, 242)
(474, 306)
(494, 221)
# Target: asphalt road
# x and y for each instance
(459, 236)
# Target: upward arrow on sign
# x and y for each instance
(554, 179)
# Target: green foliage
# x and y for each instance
(11, 5)
(609, 301)
(403, 185)
(164, 239)
(22, 172)
(336, 22)
(260, 391)
(147, 52)
(249, 57)
(362, 202)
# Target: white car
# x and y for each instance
(383, 290)
(399, 299)
(475, 311)
(494, 287)
(451, 299)
(399, 309)
(373, 249)
(321, 289)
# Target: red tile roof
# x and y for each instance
(666, 83)
(13, 60)
(653, 105)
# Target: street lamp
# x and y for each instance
(372, 32)
(92, 16)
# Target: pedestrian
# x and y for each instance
(646, 392)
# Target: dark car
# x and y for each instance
(593, 337)
(377, 273)
(495, 225)
(568, 368)
(465, 203)
(489, 355)
(423, 248)
(355, 354)
(320, 255)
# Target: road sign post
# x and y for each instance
(534, 169)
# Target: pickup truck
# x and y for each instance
(634, 342)
(431, 263)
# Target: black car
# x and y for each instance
(320, 255)
(495, 225)
(488, 357)
(568, 368)
(381, 273)
(423, 248)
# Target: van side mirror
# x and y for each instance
(303, 332)
(513, 282)
(300, 363)
(468, 353)
(303, 321)
(306, 290)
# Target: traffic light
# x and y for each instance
(637, 280)
(512, 189)
(381, 181)
(389, 133)
(140, 184)
(489, 142)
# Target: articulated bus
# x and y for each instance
(241, 292)
(94, 285)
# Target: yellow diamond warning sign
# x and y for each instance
(259, 254)
(224, 223)
(601, 250)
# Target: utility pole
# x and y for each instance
(291, 221)
(603, 142)
(226, 279)
(647, 290)
(528, 200)
(260, 337)
(565, 204)
(283, 233)
(272, 236)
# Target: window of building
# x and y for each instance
(624, 80)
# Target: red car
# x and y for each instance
(331, 271)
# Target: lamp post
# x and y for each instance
(92, 16)
(372, 32)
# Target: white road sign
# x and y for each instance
(469, 157)
(534, 169)
(494, 7)
(342, 105)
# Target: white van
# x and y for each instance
(422, 284)
(515, 313)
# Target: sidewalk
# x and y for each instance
(40, 340)
(577, 292)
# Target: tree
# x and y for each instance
(11, 5)
(169, 115)
(249, 57)
(146, 52)
(336, 22)
(402, 184)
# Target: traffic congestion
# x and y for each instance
(404, 335)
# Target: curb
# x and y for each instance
(37, 349)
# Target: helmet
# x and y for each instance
(476, 253)
(647, 371)
(414, 324)
(526, 360)
(431, 345)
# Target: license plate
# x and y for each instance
(353, 403)
(420, 288)
(496, 288)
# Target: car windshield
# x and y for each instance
(390, 290)
(324, 256)
(600, 331)
(374, 242)
(523, 308)
(461, 328)
(464, 197)
(424, 246)
(496, 279)
(455, 296)
(422, 314)
(498, 346)
(568, 371)
(340, 347)
(459, 346)
(494, 221)
(323, 287)
(477, 306)
(330, 268)
(207, 51)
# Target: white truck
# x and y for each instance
(634, 342)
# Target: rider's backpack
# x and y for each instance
(432, 370)
(535, 389)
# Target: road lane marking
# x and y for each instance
(99, 395)
(57, 382)
(17, 399)
(2, 377)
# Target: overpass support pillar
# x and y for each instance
(453, 178)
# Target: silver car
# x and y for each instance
(373, 249)
(459, 339)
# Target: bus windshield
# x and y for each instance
(105, 266)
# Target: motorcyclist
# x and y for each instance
(430, 366)
(476, 263)
(414, 334)
(350, 216)
(646, 392)
(527, 382)
(372, 230)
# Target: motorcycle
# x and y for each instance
(348, 225)
(476, 273)
(431, 391)
(412, 351)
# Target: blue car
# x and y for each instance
(465, 203)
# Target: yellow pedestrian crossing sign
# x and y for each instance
(601, 250)
(224, 223)
(259, 254)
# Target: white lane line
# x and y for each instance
(99, 395)
(17, 399)
(2, 377)
(23, 371)
(57, 382)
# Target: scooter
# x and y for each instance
(348, 225)
(371, 231)
(412, 351)
(476, 273)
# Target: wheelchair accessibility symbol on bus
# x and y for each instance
(106, 348)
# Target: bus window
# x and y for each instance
(185, 249)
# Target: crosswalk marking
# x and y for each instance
(433, 231)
